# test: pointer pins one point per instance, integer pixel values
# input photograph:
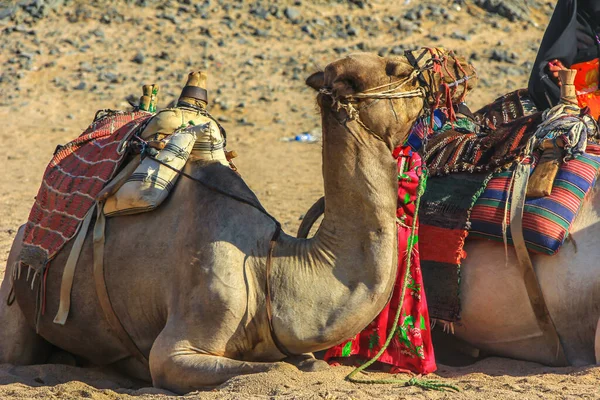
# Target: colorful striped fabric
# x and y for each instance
(546, 220)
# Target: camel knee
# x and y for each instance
(182, 370)
(183, 373)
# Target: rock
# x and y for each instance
(405, 25)
(511, 9)
(81, 86)
(7, 12)
(397, 50)
(351, 31)
(139, 58)
(98, 33)
(132, 99)
(86, 67)
(358, 3)
(108, 77)
(260, 12)
(411, 15)
(257, 33)
(169, 17)
(460, 36)
(501, 56)
(292, 14)
(244, 122)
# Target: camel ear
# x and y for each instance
(398, 67)
(316, 80)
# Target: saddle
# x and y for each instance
(507, 173)
(86, 177)
(171, 135)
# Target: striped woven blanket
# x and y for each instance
(76, 174)
(458, 205)
(443, 228)
(546, 220)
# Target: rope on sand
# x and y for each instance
(416, 380)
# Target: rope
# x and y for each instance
(564, 121)
(416, 380)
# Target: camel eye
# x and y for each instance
(351, 83)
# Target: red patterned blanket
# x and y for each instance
(76, 174)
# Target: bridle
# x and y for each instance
(431, 95)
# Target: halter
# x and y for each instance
(436, 64)
(388, 91)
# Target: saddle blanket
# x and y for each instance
(546, 220)
(76, 174)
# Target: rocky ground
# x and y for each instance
(61, 60)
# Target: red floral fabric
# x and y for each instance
(411, 347)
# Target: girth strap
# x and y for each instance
(102, 290)
(534, 291)
(69, 272)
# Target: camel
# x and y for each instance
(188, 280)
(497, 317)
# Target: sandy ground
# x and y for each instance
(256, 84)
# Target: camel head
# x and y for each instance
(385, 95)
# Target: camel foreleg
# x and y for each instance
(185, 370)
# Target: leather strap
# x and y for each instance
(119, 180)
(410, 57)
(534, 291)
(269, 294)
(102, 290)
(69, 272)
(195, 92)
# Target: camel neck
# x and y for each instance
(339, 280)
(360, 182)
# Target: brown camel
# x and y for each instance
(188, 280)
